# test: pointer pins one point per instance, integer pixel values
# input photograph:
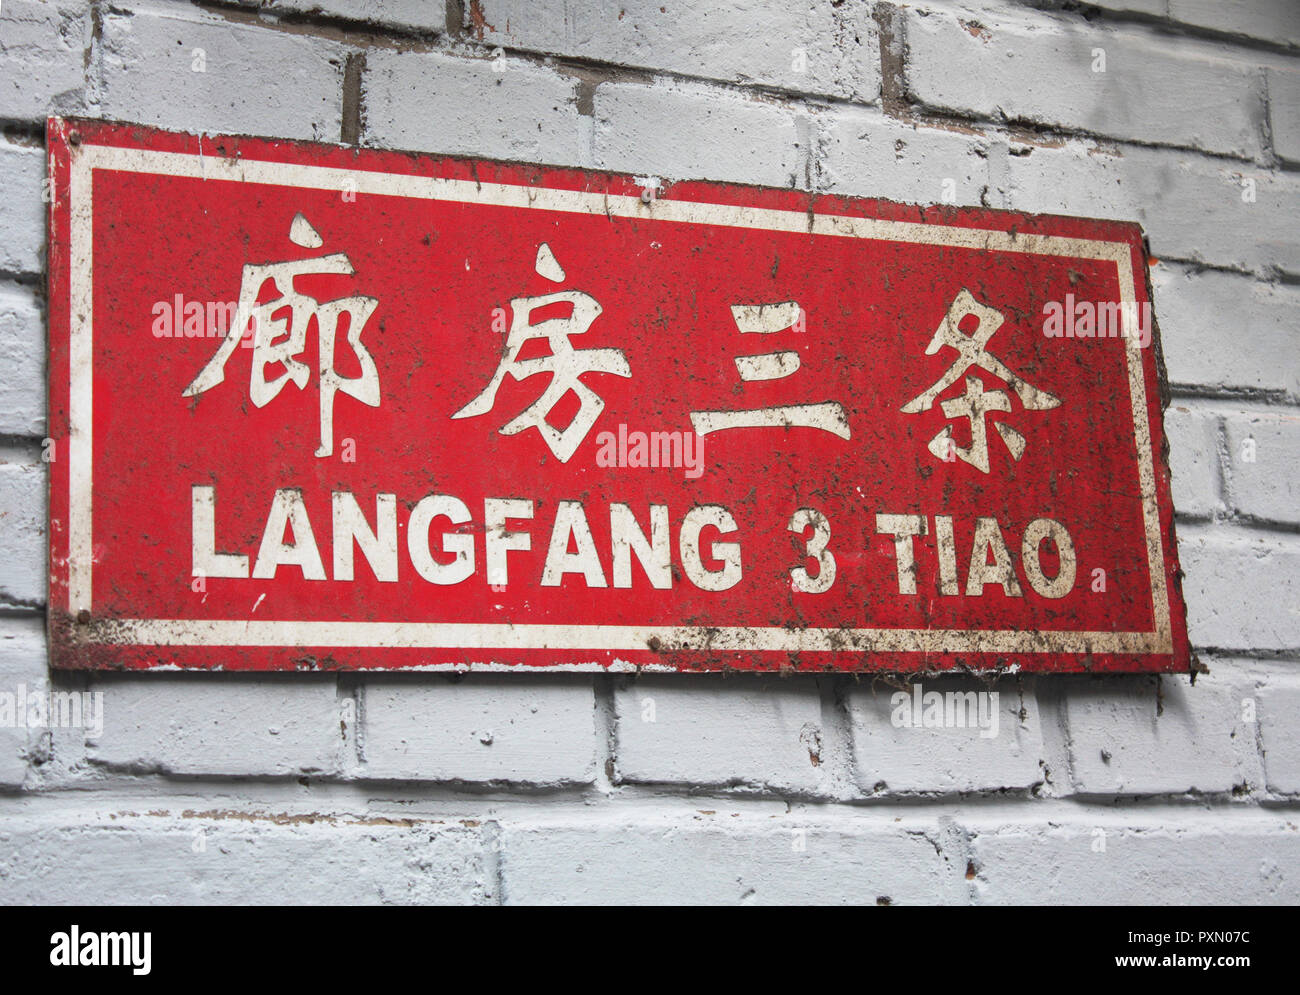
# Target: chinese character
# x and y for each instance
(280, 339)
(764, 319)
(565, 364)
(976, 402)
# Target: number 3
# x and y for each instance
(815, 550)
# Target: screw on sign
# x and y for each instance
(908, 465)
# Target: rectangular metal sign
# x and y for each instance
(324, 408)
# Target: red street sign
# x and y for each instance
(322, 408)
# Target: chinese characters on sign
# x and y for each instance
(280, 338)
(764, 319)
(565, 364)
(976, 402)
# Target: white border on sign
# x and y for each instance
(497, 636)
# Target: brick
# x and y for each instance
(1226, 861)
(1203, 351)
(1151, 91)
(22, 666)
(1193, 461)
(1284, 113)
(484, 728)
(1237, 586)
(1159, 735)
(809, 48)
(1263, 466)
(919, 759)
(713, 858)
(255, 80)
(517, 110)
(417, 15)
(682, 131)
(1279, 730)
(1192, 208)
(865, 153)
(218, 724)
(43, 45)
(22, 534)
(22, 357)
(1271, 20)
(734, 732)
(221, 856)
(1152, 8)
(22, 211)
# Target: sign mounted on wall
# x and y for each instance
(321, 408)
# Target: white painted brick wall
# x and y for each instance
(22, 664)
(1226, 333)
(22, 209)
(43, 46)
(218, 724)
(1159, 736)
(716, 856)
(521, 730)
(1276, 21)
(1181, 859)
(866, 153)
(1264, 466)
(1022, 67)
(518, 110)
(552, 788)
(22, 357)
(809, 48)
(1279, 731)
(1154, 8)
(1194, 462)
(23, 542)
(1192, 207)
(208, 854)
(1242, 588)
(891, 759)
(1284, 113)
(739, 732)
(419, 15)
(687, 131)
(172, 66)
